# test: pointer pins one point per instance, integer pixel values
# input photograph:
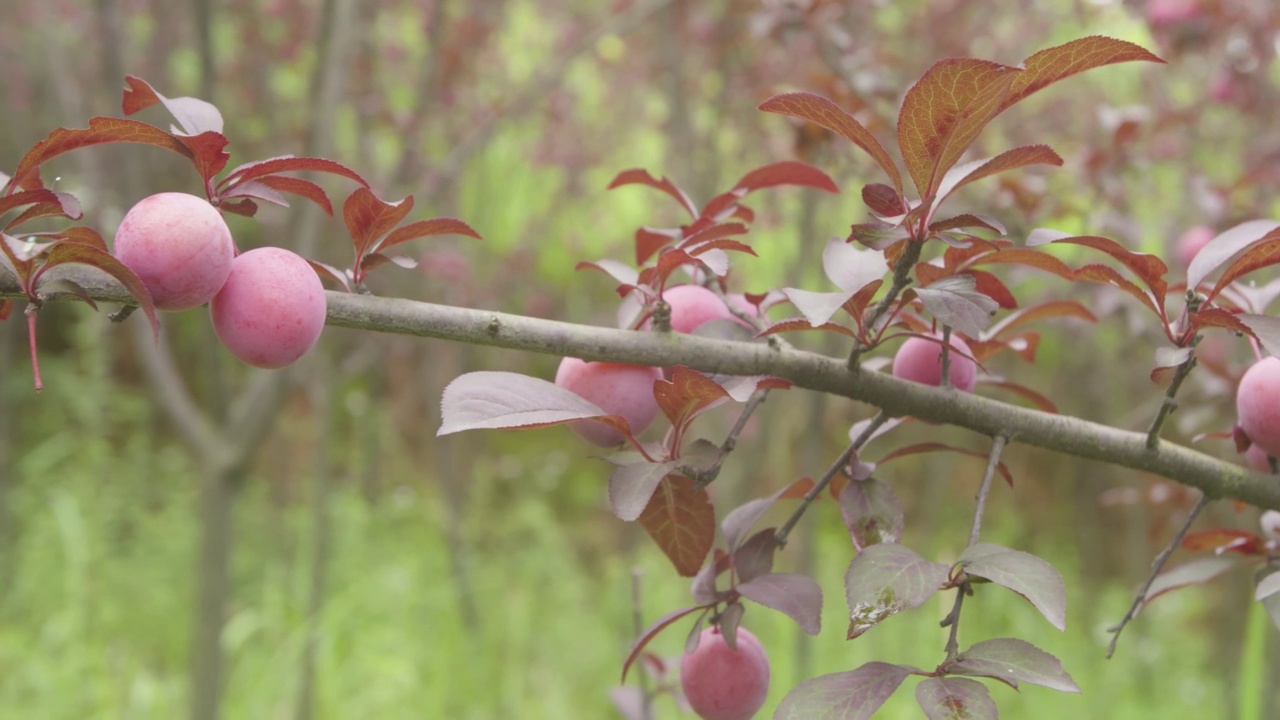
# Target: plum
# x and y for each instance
(725, 684)
(1191, 242)
(179, 247)
(693, 306)
(625, 390)
(1258, 404)
(920, 360)
(271, 310)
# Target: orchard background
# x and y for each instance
(377, 571)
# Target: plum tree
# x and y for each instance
(722, 683)
(625, 390)
(1258, 404)
(920, 360)
(179, 247)
(271, 310)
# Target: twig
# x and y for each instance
(1170, 403)
(1140, 599)
(945, 380)
(703, 478)
(781, 536)
(637, 620)
(952, 619)
(901, 279)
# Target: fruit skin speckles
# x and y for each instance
(271, 310)
(920, 360)
(1258, 404)
(179, 247)
(625, 390)
(724, 684)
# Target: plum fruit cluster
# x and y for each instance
(267, 305)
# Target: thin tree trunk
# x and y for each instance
(321, 534)
(218, 486)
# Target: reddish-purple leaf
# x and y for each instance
(687, 394)
(1056, 63)
(794, 324)
(886, 579)
(955, 699)
(620, 271)
(872, 512)
(1146, 266)
(853, 695)
(1013, 661)
(77, 234)
(369, 218)
(194, 115)
(1221, 540)
(738, 521)
(64, 252)
(993, 287)
(297, 186)
(1265, 328)
(967, 221)
(1264, 253)
(1107, 275)
(682, 522)
(55, 202)
(1226, 245)
(651, 632)
(754, 557)
(883, 200)
(425, 228)
(243, 206)
(957, 302)
(787, 172)
(101, 130)
(1035, 313)
(796, 596)
(961, 175)
(638, 176)
(288, 163)
(631, 486)
(943, 113)
(650, 241)
(1025, 257)
(332, 273)
(1200, 570)
(490, 399)
(877, 235)
(825, 113)
(1023, 573)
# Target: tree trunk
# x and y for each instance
(218, 486)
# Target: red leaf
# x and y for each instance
(1027, 257)
(713, 232)
(682, 522)
(208, 154)
(330, 272)
(877, 235)
(1223, 540)
(1262, 254)
(101, 130)
(42, 203)
(856, 305)
(637, 176)
(1149, 268)
(825, 113)
(245, 207)
(1043, 311)
(86, 254)
(966, 221)
(1023, 344)
(1227, 244)
(194, 116)
(883, 200)
(686, 394)
(425, 228)
(650, 241)
(943, 113)
(962, 175)
(1056, 63)
(788, 172)
(992, 287)
(297, 186)
(1107, 275)
(288, 163)
(490, 399)
(926, 447)
(668, 262)
(1217, 317)
(793, 324)
(79, 234)
(369, 218)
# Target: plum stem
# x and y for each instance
(31, 340)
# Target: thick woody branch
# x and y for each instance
(1072, 436)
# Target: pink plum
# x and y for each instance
(1257, 459)
(1192, 242)
(271, 310)
(625, 390)
(1258, 404)
(1169, 12)
(692, 306)
(920, 360)
(725, 684)
(179, 247)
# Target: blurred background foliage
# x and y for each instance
(483, 575)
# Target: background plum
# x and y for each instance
(725, 684)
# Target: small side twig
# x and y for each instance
(952, 619)
(705, 477)
(1140, 598)
(901, 279)
(781, 536)
(945, 381)
(1170, 402)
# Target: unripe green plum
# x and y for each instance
(725, 684)
(920, 360)
(271, 310)
(625, 390)
(179, 247)
(1258, 404)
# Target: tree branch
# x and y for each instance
(811, 371)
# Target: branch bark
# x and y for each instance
(1062, 433)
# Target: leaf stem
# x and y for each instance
(1140, 598)
(901, 279)
(781, 536)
